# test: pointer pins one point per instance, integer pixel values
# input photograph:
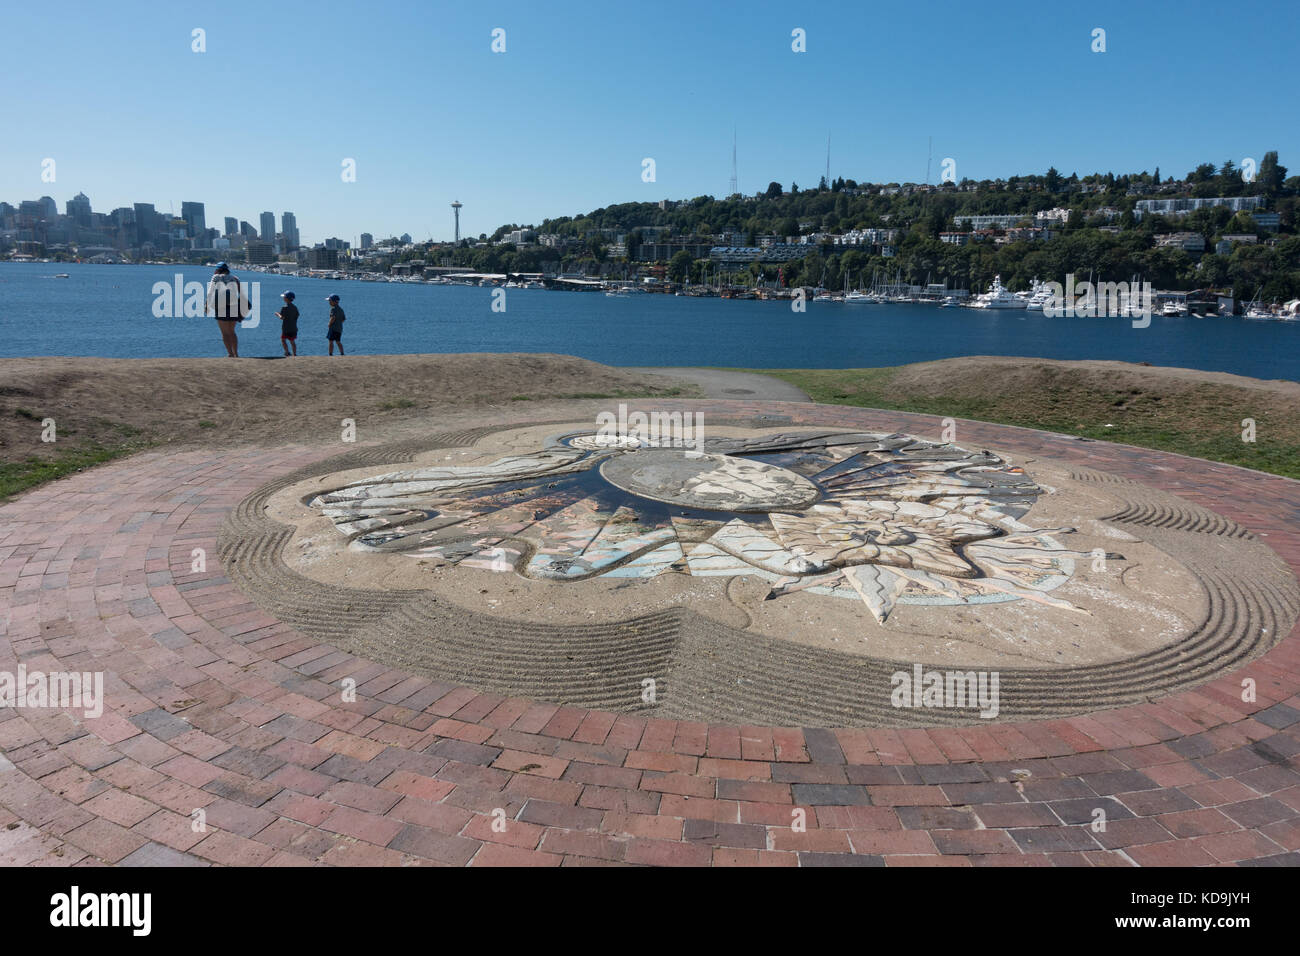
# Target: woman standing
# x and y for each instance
(226, 303)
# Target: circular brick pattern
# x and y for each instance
(214, 704)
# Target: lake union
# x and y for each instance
(115, 312)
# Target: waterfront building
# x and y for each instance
(258, 252)
(322, 257)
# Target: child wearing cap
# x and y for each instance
(335, 332)
(288, 317)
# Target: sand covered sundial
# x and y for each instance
(858, 515)
(767, 574)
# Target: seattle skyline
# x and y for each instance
(562, 120)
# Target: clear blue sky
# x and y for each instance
(560, 122)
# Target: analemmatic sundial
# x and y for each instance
(765, 574)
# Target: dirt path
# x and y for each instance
(723, 383)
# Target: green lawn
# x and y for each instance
(1203, 421)
(18, 476)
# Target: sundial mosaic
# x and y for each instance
(875, 518)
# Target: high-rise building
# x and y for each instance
(232, 226)
(268, 227)
(146, 222)
(51, 208)
(367, 240)
(289, 229)
(246, 230)
(192, 213)
(124, 225)
(79, 209)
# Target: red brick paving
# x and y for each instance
(213, 705)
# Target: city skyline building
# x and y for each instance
(267, 232)
(196, 223)
(289, 230)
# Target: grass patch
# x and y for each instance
(19, 476)
(1202, 420)
(393, 403)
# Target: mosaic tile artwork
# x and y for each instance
(880, 519)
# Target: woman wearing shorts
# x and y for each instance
(226, 303)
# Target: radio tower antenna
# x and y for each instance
(929, 155)
(735, 184)
(828, 159)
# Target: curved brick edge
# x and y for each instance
(214, 704)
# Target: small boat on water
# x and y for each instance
(1255, 310)
(1173, 310)
(61, 275)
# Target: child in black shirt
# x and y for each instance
(288, 317)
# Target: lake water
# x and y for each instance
(109, 311)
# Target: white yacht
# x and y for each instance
(998, 297)
(1040, 295)
(860, 298)
(1172, 310)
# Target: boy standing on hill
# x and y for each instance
(288, 317)
(335, 333)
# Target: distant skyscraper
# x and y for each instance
(268, 227)
(289, 229)
(146, 222)
(232, 226)
(192, 213)
(79, 209)
(367, 240)
(246, 230)
(51, 208)
(123, 220)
